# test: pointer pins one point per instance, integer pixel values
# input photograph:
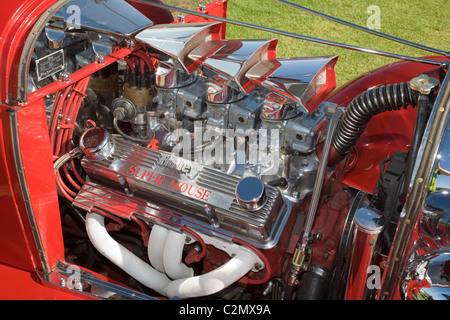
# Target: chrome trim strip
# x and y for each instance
(25, 192)
(93, 286)
(361, 28)
(419, 188)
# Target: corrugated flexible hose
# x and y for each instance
(374, 101)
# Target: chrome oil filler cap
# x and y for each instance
(251, 193)
(96, 143)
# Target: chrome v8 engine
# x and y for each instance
(193, 133)
(239, 101)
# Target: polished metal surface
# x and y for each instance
(217, 93)
(178, 40)
(427, 273)
(167, 75)
(235, 57)
(186, 189)
(368, 224)
(111, 17)
(251, 193)
(297, 36)
(278, 108)
(123, 109)
(91, 285)
(320, 179)
(430, 175)
(428, 277)
(294, 79)
(369, 220)
(424, 84)
(96, 143)
(55, 35)
(435, 221)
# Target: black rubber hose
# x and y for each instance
(419, 129)
(374, 101)
(314, 284)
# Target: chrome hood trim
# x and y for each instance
(98, 16)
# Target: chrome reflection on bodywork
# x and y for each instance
(435, 222)
(428, 277)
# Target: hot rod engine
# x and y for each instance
(189, 165)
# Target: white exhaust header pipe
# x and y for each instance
(165, 252)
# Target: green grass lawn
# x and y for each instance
(425, 22)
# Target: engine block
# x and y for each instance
(189, 191)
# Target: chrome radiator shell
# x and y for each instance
(179, 191)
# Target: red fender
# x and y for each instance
(386, 132)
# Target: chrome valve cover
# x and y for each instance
(185, 188)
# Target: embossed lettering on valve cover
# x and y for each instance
(172, 162)
(169, 183)
(169, 174)
(158, 174)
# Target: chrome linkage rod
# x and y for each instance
(374, 32)
(298, 36)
